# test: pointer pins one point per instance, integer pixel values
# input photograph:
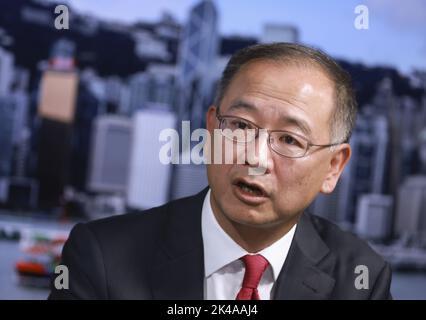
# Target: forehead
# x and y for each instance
(278, 90)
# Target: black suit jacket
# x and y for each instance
(158, 254)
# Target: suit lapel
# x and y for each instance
(181, 278)
(178, 269)
(305, 274)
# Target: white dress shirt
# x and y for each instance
(224, 272)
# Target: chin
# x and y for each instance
(245, 215)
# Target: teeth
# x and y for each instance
(248, 189)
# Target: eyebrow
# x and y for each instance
(241, 104)
(301, 124)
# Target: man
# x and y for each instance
(248, 235)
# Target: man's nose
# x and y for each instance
(258, 154)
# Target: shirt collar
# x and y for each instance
(220, 249)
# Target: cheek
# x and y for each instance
(290, 173)
(300, 181)
(218, 175)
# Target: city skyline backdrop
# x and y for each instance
(396, 34)
(81, 111)
(175, 68)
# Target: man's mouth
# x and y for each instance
(251, 188)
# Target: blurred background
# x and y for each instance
(85, 92)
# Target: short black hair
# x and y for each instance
(342, 121)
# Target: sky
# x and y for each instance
(396, 35)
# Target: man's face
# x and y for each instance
(276, 96)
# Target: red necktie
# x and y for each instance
(255, 266)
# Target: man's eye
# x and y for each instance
(289, 140)
(240, 125)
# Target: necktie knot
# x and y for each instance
(255, 265)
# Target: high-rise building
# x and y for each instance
(56, 109)
(21, 133)
(374, 216)
(90, 103)
(157, 85)
(21, 107)
(410, 213)
(410, 128)
(13, 133)
(148, 46)
(367, 166)
(163, 84)
(167, 28)
(149, 178)
(58, 87)
(138, 91)
(21, 79)
(58, 95)
(22, 193)
(113, 93)
(387, 105)
(62, 55)
(16, 189)
(54, 141)
(4, 190)
(110, 148)
(365, 172)
(7, 119)
(6, 71)
(197, 54)
(422, 151)
(279, 33)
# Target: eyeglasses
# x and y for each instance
(285, 143)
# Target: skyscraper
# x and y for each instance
(58, 90)
(367, 167)
(16, 189)
(21, 134)
(422, 151)
(387, 105)
(365, 172)
(157, 85)
(58, 95)
(149, 178)
(6, 71)
(410, 128)
(374, 216)
(7, 119)
(91, 101)
(13, 117)
(110, 148)
(197, 54)
(410, 213)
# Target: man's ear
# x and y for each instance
(211, 118)
(338, 161)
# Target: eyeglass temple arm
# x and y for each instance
(328, 145)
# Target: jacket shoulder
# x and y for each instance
(352, 262)
(146, 223)
(344, 244)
